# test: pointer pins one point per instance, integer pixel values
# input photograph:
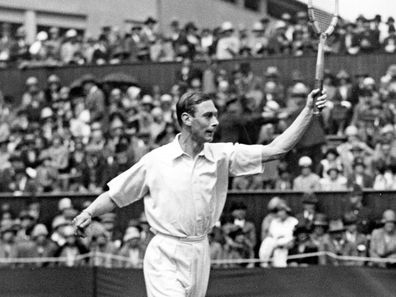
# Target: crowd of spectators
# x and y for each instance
(76, 138)
(290, 35)
(285, 238)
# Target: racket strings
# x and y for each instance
(323, 19)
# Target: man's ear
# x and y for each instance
(186, 118)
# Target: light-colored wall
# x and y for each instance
(93, 14)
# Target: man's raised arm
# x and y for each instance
(290, 137)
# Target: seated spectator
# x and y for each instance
(331, 160)
(237, 247)
(307, 181)
(359, 173)
(72, 249)
(383, 240)
(238, 212)
(336, 244)
(335, 181)
(8, 243)
(216, 246)
(358, 243)
(303, 245)
(307, 216)
(131, 248)
(355, 206)
(101, 246)
(319, 233)
(272, 208)
(279, 238)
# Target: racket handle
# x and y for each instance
(318, 85)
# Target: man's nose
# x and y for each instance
(215, 122)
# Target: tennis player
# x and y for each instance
(184, 187)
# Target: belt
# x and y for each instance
(192, 238)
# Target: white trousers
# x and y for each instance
(176, 267)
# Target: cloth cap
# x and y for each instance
(226, 26)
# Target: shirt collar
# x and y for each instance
(177, 151)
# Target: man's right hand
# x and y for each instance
(81, 222)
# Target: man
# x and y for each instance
(184, 186)
(307, 181)
(306, 218)
(383, 240)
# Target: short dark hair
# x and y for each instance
(187, 103)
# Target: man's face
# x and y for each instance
(389, 227)
(204, 122)
(309, 207)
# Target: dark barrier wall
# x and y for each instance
(286, 282)
(163, 74)
(331, 203)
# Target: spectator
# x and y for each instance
(334, 181)
(383, 240)
(279, 238)
(358, 243)
(335, 244)
(319, 234)
(238, 212)
(228, 44)
(132, 249)
(7, 240)
(238, 247)
(303, 245)
(307, 181)
(306, 218)
(43, 246)
(365, 221)
(331, 160)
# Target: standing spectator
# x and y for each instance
(54, 43)
(95, 98)
(279, 238)
(70, 47)
(307, 181)
(38, 50)
(228, 44)
(383, 240)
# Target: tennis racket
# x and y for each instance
(323, 24)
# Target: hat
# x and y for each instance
(71, 33)
(358, 162)
(282, 205)
(390, 20)
(131, 233)
(166, 98)
(59, 221)
(238, 205)
(32, 80)
(108, 217)
(280, 25)
(309, 198)
(272, 71)
(388, 216)
(8, 226)
(273, 203)
(258, 26)
(331, 150)
(39, 230)
(333, 168)
(53, 78)
(227, 26)
(305, 161)
(64, 203)
(320, 219)
(368, 81)
(24, 214)
(301, 15)
(336, 226)
(350, 219)
(147, 99)
(351, 131)
(299, 89)
(342, 74)
(46, 113)
(285, 16)
(68, 231)
(150, 20)
(42, 36)
(87, 78)
(387, 129)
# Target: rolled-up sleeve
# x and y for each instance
(130, 185)
(246, 160)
